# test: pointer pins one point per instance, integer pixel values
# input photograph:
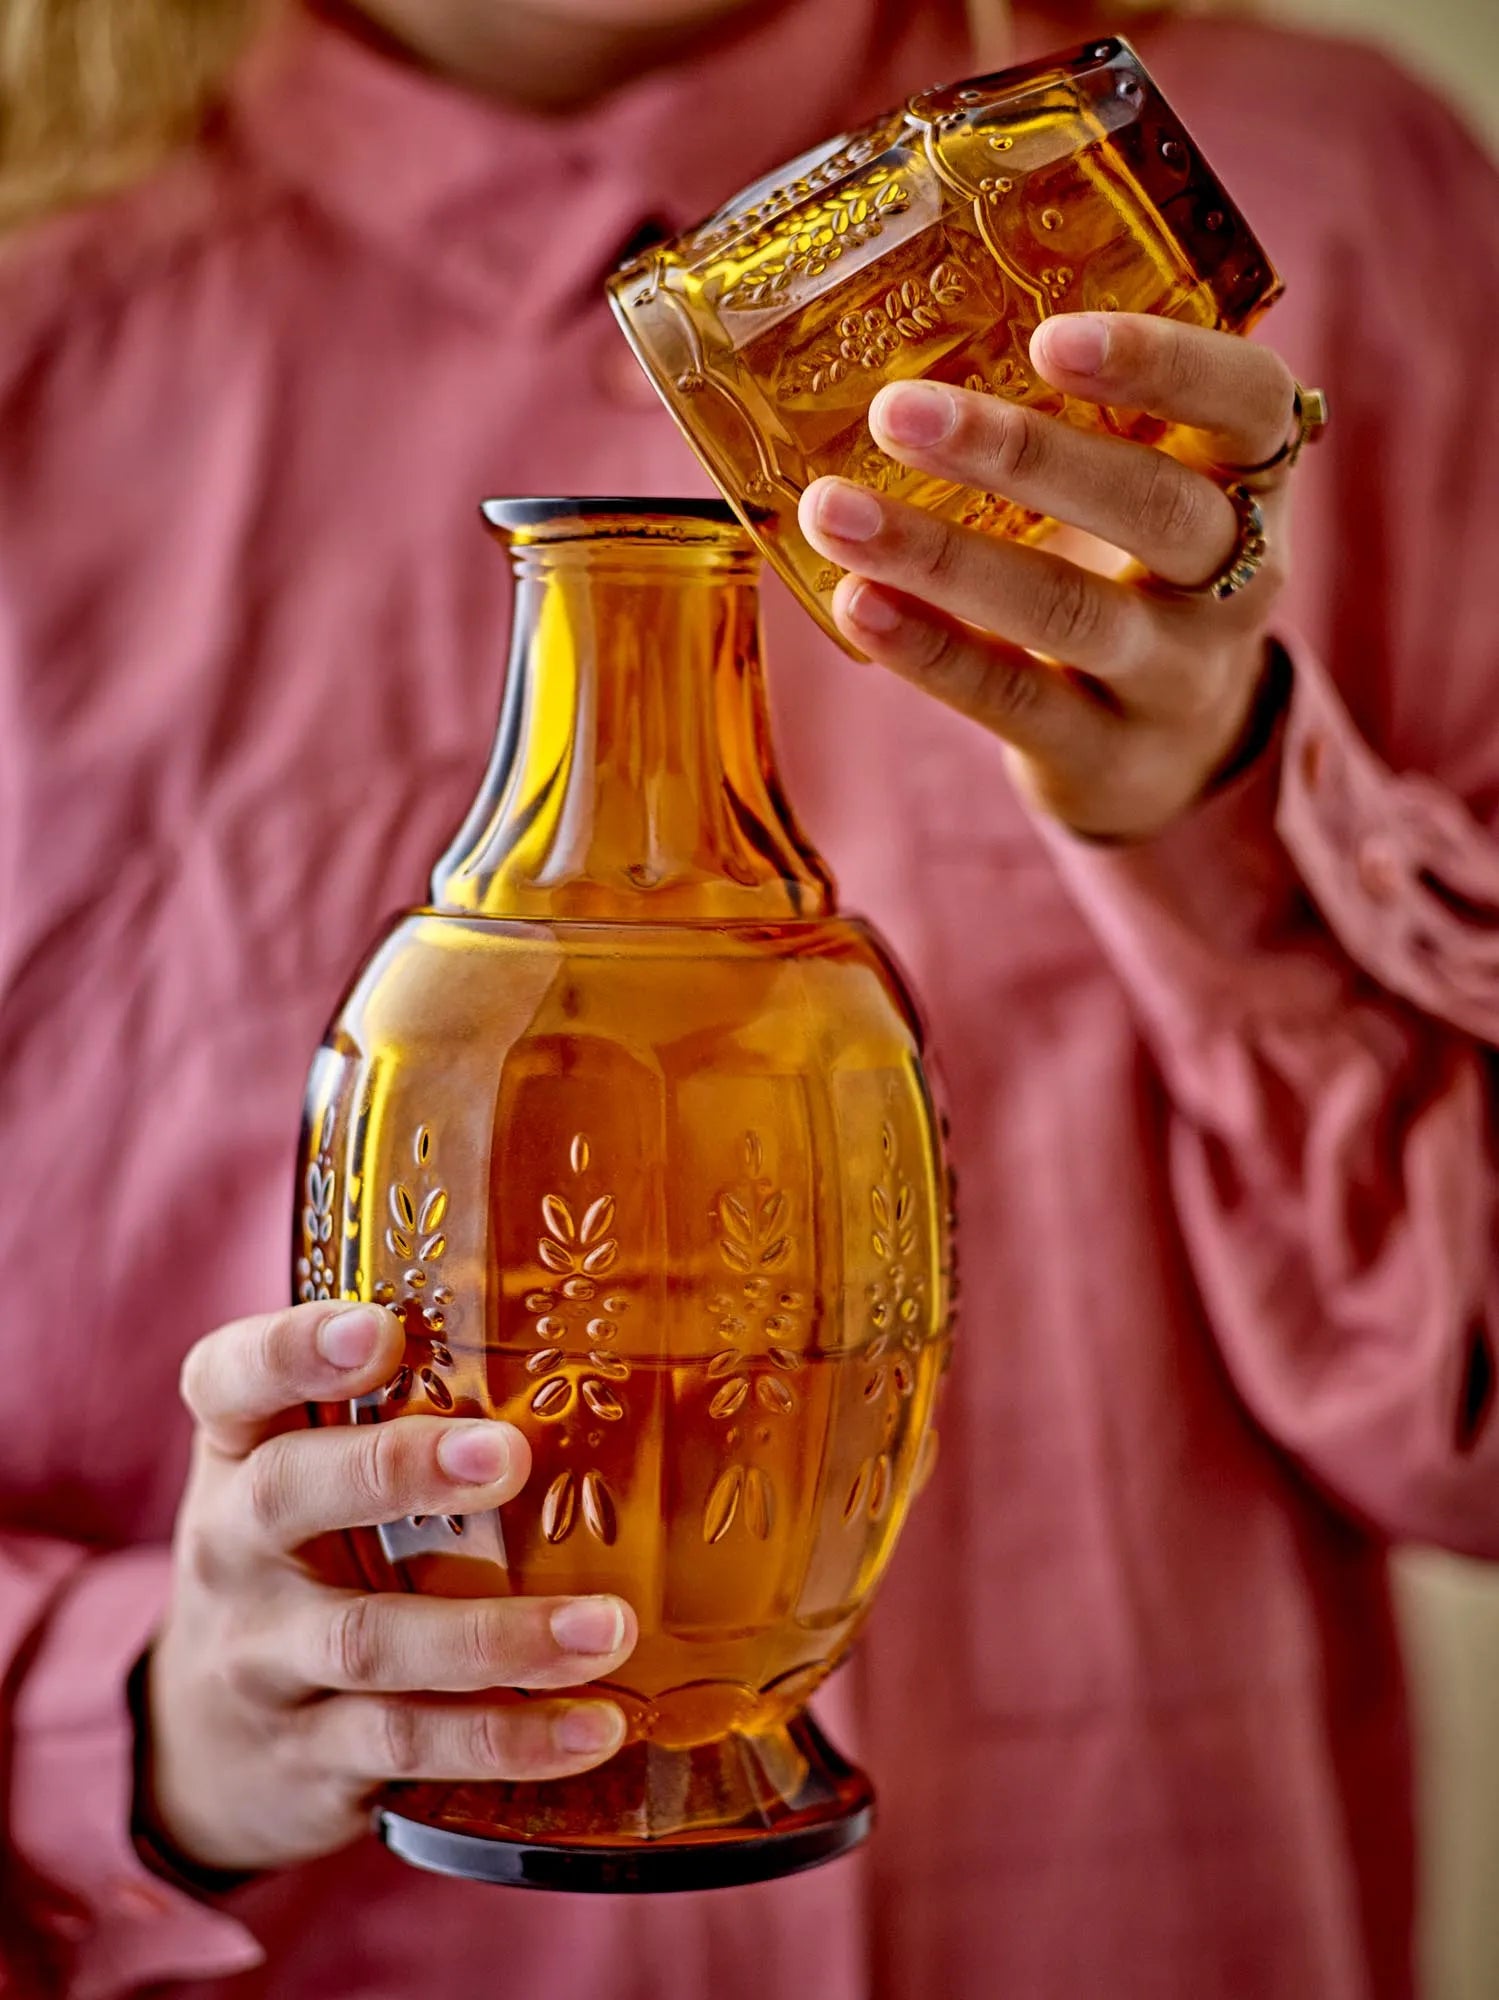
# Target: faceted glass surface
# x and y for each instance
(931, 244)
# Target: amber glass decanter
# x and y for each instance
(630, 1128)
(931, 244)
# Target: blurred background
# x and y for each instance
(1453, 43)
(1451, 1608)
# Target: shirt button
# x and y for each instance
(1379, 869)
(139, 1899)
(623, 380)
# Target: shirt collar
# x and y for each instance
(488, 194)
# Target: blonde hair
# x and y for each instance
(94, 93)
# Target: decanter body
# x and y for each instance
(631, 1130)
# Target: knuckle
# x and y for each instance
(379, 1467)
(1071, 609)
(482, 1645)
(1017, 445)
(357, 1642)
(201, 1558)
(269, 1487)
(1182, 363)
(491, 1745)
(276, 1346)
(1011, 690)
(244, 1674)
(399, 1738)
(1169, 507)
(936, 552)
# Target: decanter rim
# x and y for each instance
(522, 512)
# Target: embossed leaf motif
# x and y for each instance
(730, 1397)
(723, 1504)
(434, 1208)
(557, 1508)
(759, 1503)
(597, 1218)
(558, 1217)
(401, 1205)
(554, 1256)
(437, 1390)
(598, 1509)
(553, 1397)
(774, 1395)
(602, 1400)
(601, 1258)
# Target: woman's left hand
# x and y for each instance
(1161, 687)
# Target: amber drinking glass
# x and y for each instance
(631, 1130)
(931, 244)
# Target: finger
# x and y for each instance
(382, 1739)
(1238, 394)
(1175, 521)
(239, 1381)
(1011, 593)
(1007, 690)
(301, 1484)
(374, 1643)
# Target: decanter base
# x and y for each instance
(742, 1809)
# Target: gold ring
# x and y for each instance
(1309, 415)
(1245, 558)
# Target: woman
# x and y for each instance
(1210, 957)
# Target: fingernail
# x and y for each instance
(588, 1727)
(1078, 342)
(589, 1625)
(918, 413)
(349, 1339)
(475, 1454)
(848, 512)
(871, 610)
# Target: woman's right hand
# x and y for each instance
(277, 1705)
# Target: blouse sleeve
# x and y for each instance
(85, 1919)
(1314, 954)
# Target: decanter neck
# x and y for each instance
(632, 778)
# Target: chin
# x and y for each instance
(640, 13)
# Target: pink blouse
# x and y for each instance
(1223, 1104)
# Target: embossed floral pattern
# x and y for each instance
(905, 314)
(416, 1210)
(317, 1274)
(578, 1249)
(817, 234)
(753, 226)
(896, 1317)
(761, 1321)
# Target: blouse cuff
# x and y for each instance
(1211, 923)
(1406, 878)
(85, 1888)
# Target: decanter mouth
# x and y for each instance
(613, 517)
